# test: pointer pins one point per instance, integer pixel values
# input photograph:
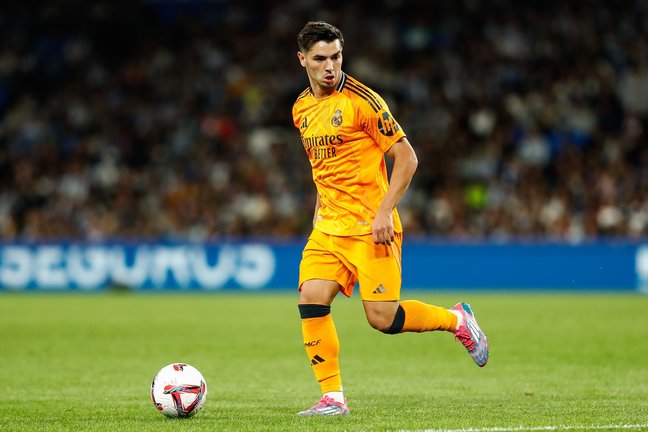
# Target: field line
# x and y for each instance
(537, 428)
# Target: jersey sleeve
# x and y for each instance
(379, 123)
(298, 108)
(295, 115)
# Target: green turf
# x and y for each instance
(85, 362)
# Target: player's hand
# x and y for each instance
(383, 228)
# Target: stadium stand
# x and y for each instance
(171, 119)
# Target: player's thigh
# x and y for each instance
(379, 270)
(322, 273)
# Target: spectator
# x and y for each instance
(527, 121)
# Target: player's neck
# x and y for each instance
(321, 93)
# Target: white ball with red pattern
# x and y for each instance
(178, 390)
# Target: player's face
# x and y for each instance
(323, 63)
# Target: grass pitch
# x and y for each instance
(85, 362)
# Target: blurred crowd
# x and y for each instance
(172, 119)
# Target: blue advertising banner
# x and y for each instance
(266, 265)
(594, 266)
(148, 266)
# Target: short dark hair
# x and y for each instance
(315, 31)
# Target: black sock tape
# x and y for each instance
(399, 322)
(313, 310)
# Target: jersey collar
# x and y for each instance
(342, 82)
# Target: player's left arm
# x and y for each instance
(405, 164)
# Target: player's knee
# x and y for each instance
(389, 323)
(380, 322)
(396, 323)
(318, 292)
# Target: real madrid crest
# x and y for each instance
(337, 118)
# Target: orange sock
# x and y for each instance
(322, 346)
(420, 317)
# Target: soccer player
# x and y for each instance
(346, 129)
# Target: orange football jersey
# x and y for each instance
(345, 136)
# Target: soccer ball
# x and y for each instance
(178, 390)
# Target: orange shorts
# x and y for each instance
(353, 259)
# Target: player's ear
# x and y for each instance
(302, 58)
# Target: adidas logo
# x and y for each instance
(304, 124)
(380, 290)
(474, 329)
(317, 360)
